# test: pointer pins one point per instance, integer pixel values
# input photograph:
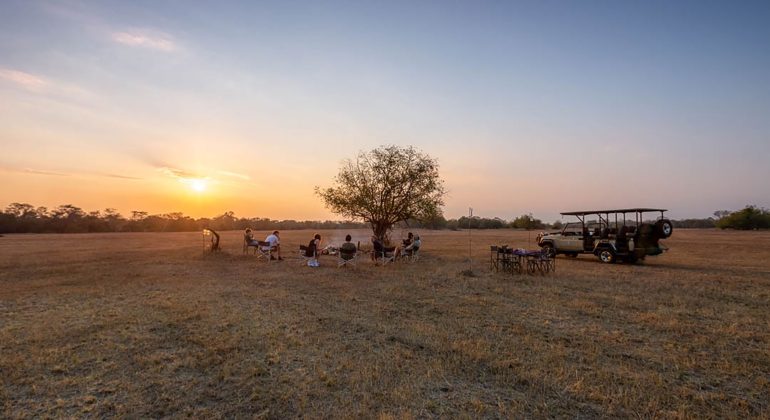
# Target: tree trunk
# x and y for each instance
(381, 230)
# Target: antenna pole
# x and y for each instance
(470, 255)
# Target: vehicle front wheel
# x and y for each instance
(548, 250)
(606, 255)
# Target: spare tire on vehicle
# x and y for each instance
(664, 228)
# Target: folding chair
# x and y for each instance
(303, 258)
(411, 255)
(547, 263)
(494, 258)
(248, 244)
(383, 256)
(264, 250)
(346, 258)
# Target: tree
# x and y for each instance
(21, 210)
(385, 186)
(226, 221)
(68, 211)
(527, 221)
(68, 218)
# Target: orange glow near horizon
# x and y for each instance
(157, 192)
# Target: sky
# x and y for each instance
(530, 107)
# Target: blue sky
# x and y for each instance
(529, 106)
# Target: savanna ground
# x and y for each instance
(146, 325)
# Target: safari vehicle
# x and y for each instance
(609, 235)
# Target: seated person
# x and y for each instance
(275, 244)
(348, 249)
(408, 239)
(249, 238)
(313, 250)
(380, 250)
(413, 246)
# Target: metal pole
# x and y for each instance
(470, 255)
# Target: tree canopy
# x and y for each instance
(385, 186)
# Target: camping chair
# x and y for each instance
(383, 257)
(303, 258)
(411, 255)
(264, 250)
(248, 244)
(345, 258)
(494, 258)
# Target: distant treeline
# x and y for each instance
(749, 218)
(67, 218)
(25, 218)
(709, 222)
(526, 221)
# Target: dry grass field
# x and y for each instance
(146, 325)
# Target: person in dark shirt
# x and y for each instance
(408, 240)
(313, 250)
(348, 249)
(381, 250)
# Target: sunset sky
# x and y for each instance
(541, 106)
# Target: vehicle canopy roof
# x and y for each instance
(630, 210)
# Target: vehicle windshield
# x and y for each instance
(577, 227)
(572, 229)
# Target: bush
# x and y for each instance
(751, 217)
(527, 221)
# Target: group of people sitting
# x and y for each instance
(409, 246)
(272, 243)
(347, 250)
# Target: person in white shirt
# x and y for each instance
(275, 244)
(413, 246)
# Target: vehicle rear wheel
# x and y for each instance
(548, 250)
(606, 255)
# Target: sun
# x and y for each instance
(197, 184)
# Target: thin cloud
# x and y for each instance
(50, 88)
(54, 173)
(215, 176)
(178, 173)
(120, 176)
(24, 80)
(234, 175)
(43, 172)
(145, 39)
